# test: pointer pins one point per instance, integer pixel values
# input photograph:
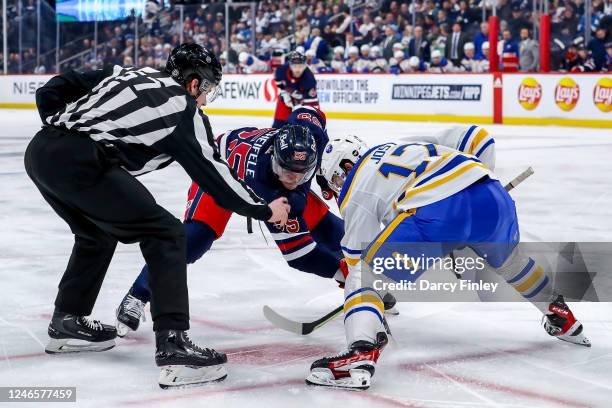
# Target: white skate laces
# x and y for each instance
(91, 324)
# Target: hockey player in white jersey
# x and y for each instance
(423, 192)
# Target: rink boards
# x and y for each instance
(554, 99)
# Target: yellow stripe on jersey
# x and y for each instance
(531, 281)
(442, 180)
(352, 261)
(360, 299)
(382, 237)
(480, 136)
(350, 187)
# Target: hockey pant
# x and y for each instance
(482, 217)
(104, 204)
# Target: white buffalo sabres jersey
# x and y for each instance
(474, 140)
(394, 178)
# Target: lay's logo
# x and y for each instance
(529, 93)
(602, 94)
(567, 93)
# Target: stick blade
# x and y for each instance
(282, 322)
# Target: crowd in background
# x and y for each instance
(373, 36)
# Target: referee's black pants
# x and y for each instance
(102, 203)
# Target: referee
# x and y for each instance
(102, 129)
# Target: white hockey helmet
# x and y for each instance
(375, 51)
(485, 45)
(365, 49)
(468, 46)
(353, 50)
(414, 61)
(243, 57)
(310, 53)
(336, 155)
(398, 55)
(436, 54)
(339, 49)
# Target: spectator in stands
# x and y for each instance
(337, 63)
(439, 64)
(455, 44)
(419, 46)
(250, 64)
(480, 38)
(469, 62)
(583, 62)
(401, 61)
(510, 52)
(317, 44)
(349, 41)
(365, 58)
(518, 20)
(352, 63)
(568, 21)
(598, 48)
(226, 66)
(529, 52)
(391, 38)
(607, 65)
(378, 63)
(485, 57)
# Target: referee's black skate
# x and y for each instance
(129, 314)
(184, 363)
(72, 334)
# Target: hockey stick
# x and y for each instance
(305, 328)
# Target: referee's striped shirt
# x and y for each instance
(147, 120)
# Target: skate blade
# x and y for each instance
(359, 380)
(580, 340)
(394, 311)
(59, 346)
(175, 376)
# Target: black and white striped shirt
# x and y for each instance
(146, 120)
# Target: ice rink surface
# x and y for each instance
(448, 355)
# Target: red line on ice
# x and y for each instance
(510, 390)
(422, 366)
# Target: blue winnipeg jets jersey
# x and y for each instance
(249, 152)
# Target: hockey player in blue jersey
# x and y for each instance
(423, 193)
(273, 162)
(296, 85)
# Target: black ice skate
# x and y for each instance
(71, 334)
(352, 369)
(562, 324)
(129, 314)
(184, 363)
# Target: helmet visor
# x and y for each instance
(209, 89)
(291, 176)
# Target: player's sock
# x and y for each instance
(184, 363)
(130, 313)
(140, 288)
(352, 369)
(70, 334)
(561, 323)
(363, 315)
